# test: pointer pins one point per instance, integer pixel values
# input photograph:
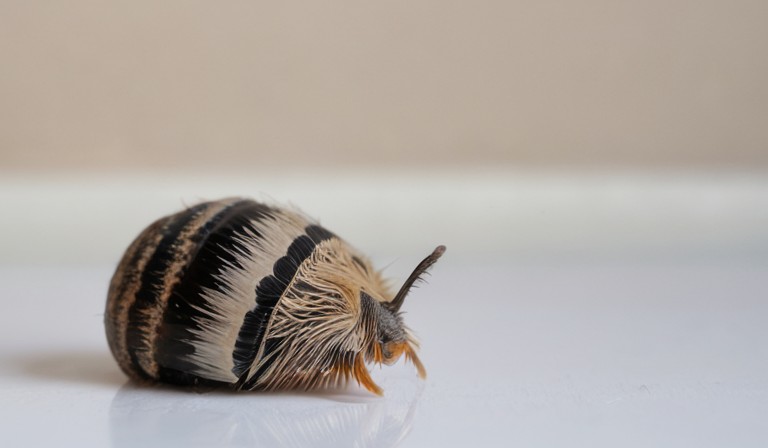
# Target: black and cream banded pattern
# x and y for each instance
(245, 295)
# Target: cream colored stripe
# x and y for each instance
(183, 251)
(123, 288)
(215, 343)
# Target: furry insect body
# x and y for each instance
(239, 294)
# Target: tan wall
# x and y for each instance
(176, 83)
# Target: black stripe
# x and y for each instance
(268, 293)
(216, 247)
(151, 281)
(126, 274)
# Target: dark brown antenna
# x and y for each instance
(425, 264)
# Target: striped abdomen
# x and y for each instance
(244, 295)
(192, 296)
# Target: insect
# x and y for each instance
(240, 294)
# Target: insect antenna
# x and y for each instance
(417, 273)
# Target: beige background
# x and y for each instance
(132, 84)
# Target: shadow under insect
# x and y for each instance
(88, 367)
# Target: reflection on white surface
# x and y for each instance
(598, 349)
(159, 416)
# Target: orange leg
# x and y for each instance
(410, 355)
(363, 378)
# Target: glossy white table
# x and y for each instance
(652, 353)
(570, 310)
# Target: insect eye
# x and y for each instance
(391, 351)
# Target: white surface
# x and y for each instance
(477, 212)
(568, 311)
(531, 355)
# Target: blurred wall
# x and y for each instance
(125, 84)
